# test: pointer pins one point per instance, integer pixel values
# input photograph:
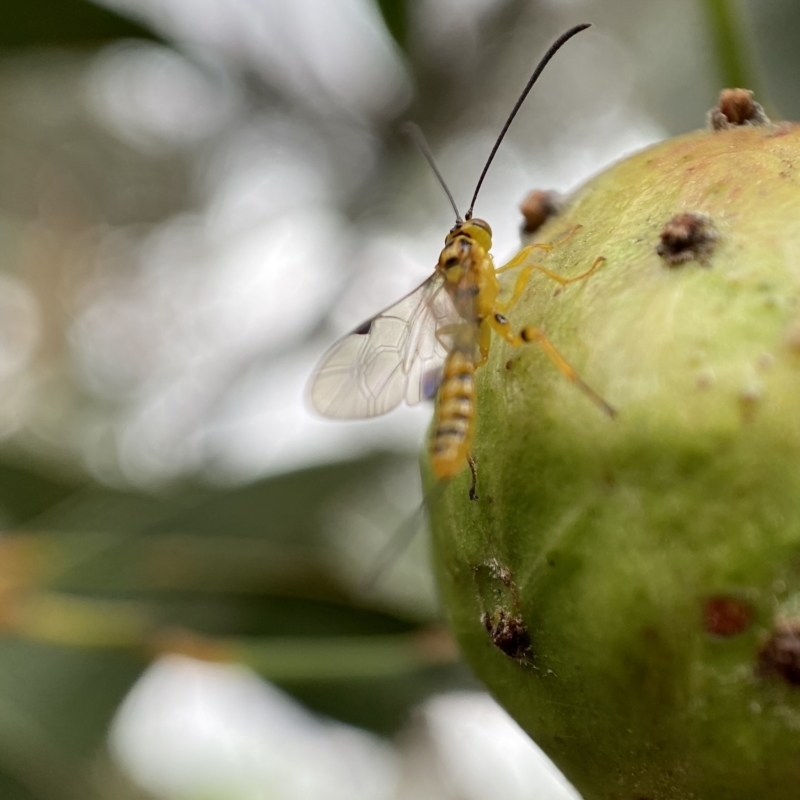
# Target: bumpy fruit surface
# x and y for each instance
(629, 587)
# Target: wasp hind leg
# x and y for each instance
(530, 334)
(473, 489)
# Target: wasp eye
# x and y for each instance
(452, 262)
(482, 224)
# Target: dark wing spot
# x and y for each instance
(431, 381)
(363, 330)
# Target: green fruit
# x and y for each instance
(629, 587)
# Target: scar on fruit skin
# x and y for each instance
(779, 655)
(736, 107)
(687, 236)
(538, 207)
(502, 617)
(508, 633)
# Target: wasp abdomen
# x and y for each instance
(452, 434)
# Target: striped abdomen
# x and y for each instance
(455, 418)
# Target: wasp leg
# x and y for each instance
(575, 278)
(519, 287)
(525, 274)
(473, 490)
(523, 254)
(530, 334)
(484, 341)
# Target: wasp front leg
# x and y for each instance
(523, 254)
(530, 334)
(525, 274)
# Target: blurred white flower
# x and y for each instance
(463, 746)
(192, 729)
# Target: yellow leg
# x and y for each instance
(520, 257)
(519, 287)
(525, 275)
(595, 265)
(523, 254)
(484, 341)
(532, 334)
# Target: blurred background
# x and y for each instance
(196, 198)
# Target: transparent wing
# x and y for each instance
(388, 359)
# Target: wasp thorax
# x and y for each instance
(455, 255)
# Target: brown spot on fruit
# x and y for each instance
(537, 208)
(792, 337)
(685, 237)
(736, 107)
(726, 616)
(508, 633)
(779, 656)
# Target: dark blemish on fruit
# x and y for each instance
(736, 107)
(538, 207)
(509, 363)
(779, 656)
(508, 633)
(726, 616)
(685, 237)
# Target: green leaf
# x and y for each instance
(55, 707)
(59, 23)
(256, 574)
(27, 491)
(395, 15)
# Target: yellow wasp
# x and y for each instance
(445, 324)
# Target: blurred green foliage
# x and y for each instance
(95, 581)
(395, 15)
(64, 23)
(732, 49)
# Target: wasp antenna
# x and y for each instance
(415, 132)
(554, 48)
